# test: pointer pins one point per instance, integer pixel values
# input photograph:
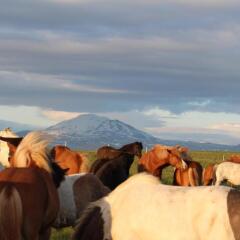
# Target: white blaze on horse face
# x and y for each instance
(184, 165)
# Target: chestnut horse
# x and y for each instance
(234, 159)
(191, 176)
(67, 158)
(29, 200)
(208, 174)
(142, 208)
(160, 157)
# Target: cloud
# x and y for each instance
(231, 128)
(59, 116)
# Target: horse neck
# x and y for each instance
(173, 161)
(127, 159)
(152, 162)
(127, 148)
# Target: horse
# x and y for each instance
(29, 200)
(106, 152)
(159, 157)
(114, 171)
(227, 171)
(7, 135)
(66, 158)
(191, 176)
(75, 193)
(142, 208)
(234, 159)
(208, 174)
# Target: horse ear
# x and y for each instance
(169, 151)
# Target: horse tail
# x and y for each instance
(193, 177)
(94, 223)
(203, 176)
(11, 213)
(84, 164)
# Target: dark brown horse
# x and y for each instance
(191, 176)
(114, 171)
(29, 200)
(106, 153)
(66, 158)
(134, 148)
(160, 157)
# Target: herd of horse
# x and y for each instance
(43, 187)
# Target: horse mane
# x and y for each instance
(33, 147)
(125, 147)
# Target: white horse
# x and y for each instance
(75, 193)
(227, 171)
(142, 208)
(4, 149)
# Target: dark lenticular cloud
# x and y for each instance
(99, 56)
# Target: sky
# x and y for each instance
(170, 68)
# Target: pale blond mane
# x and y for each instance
(33, 147)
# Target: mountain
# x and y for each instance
(90, 131)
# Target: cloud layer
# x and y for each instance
(96, 56)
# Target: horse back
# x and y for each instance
(36, 188)
(97, 164)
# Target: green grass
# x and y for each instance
(203, 157)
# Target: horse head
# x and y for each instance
(138, 147)
(175, 159)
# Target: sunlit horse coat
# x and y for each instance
(143, 209)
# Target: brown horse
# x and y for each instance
(134, 148)
(67, 158)
(106, 153)
(113, 172)
(160, 157)
(234, 159)
(29, 200)
(191, 176)
(208, 174)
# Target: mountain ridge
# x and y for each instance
(90, 131)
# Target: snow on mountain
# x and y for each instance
(90, 131)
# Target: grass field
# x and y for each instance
(203, 157)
